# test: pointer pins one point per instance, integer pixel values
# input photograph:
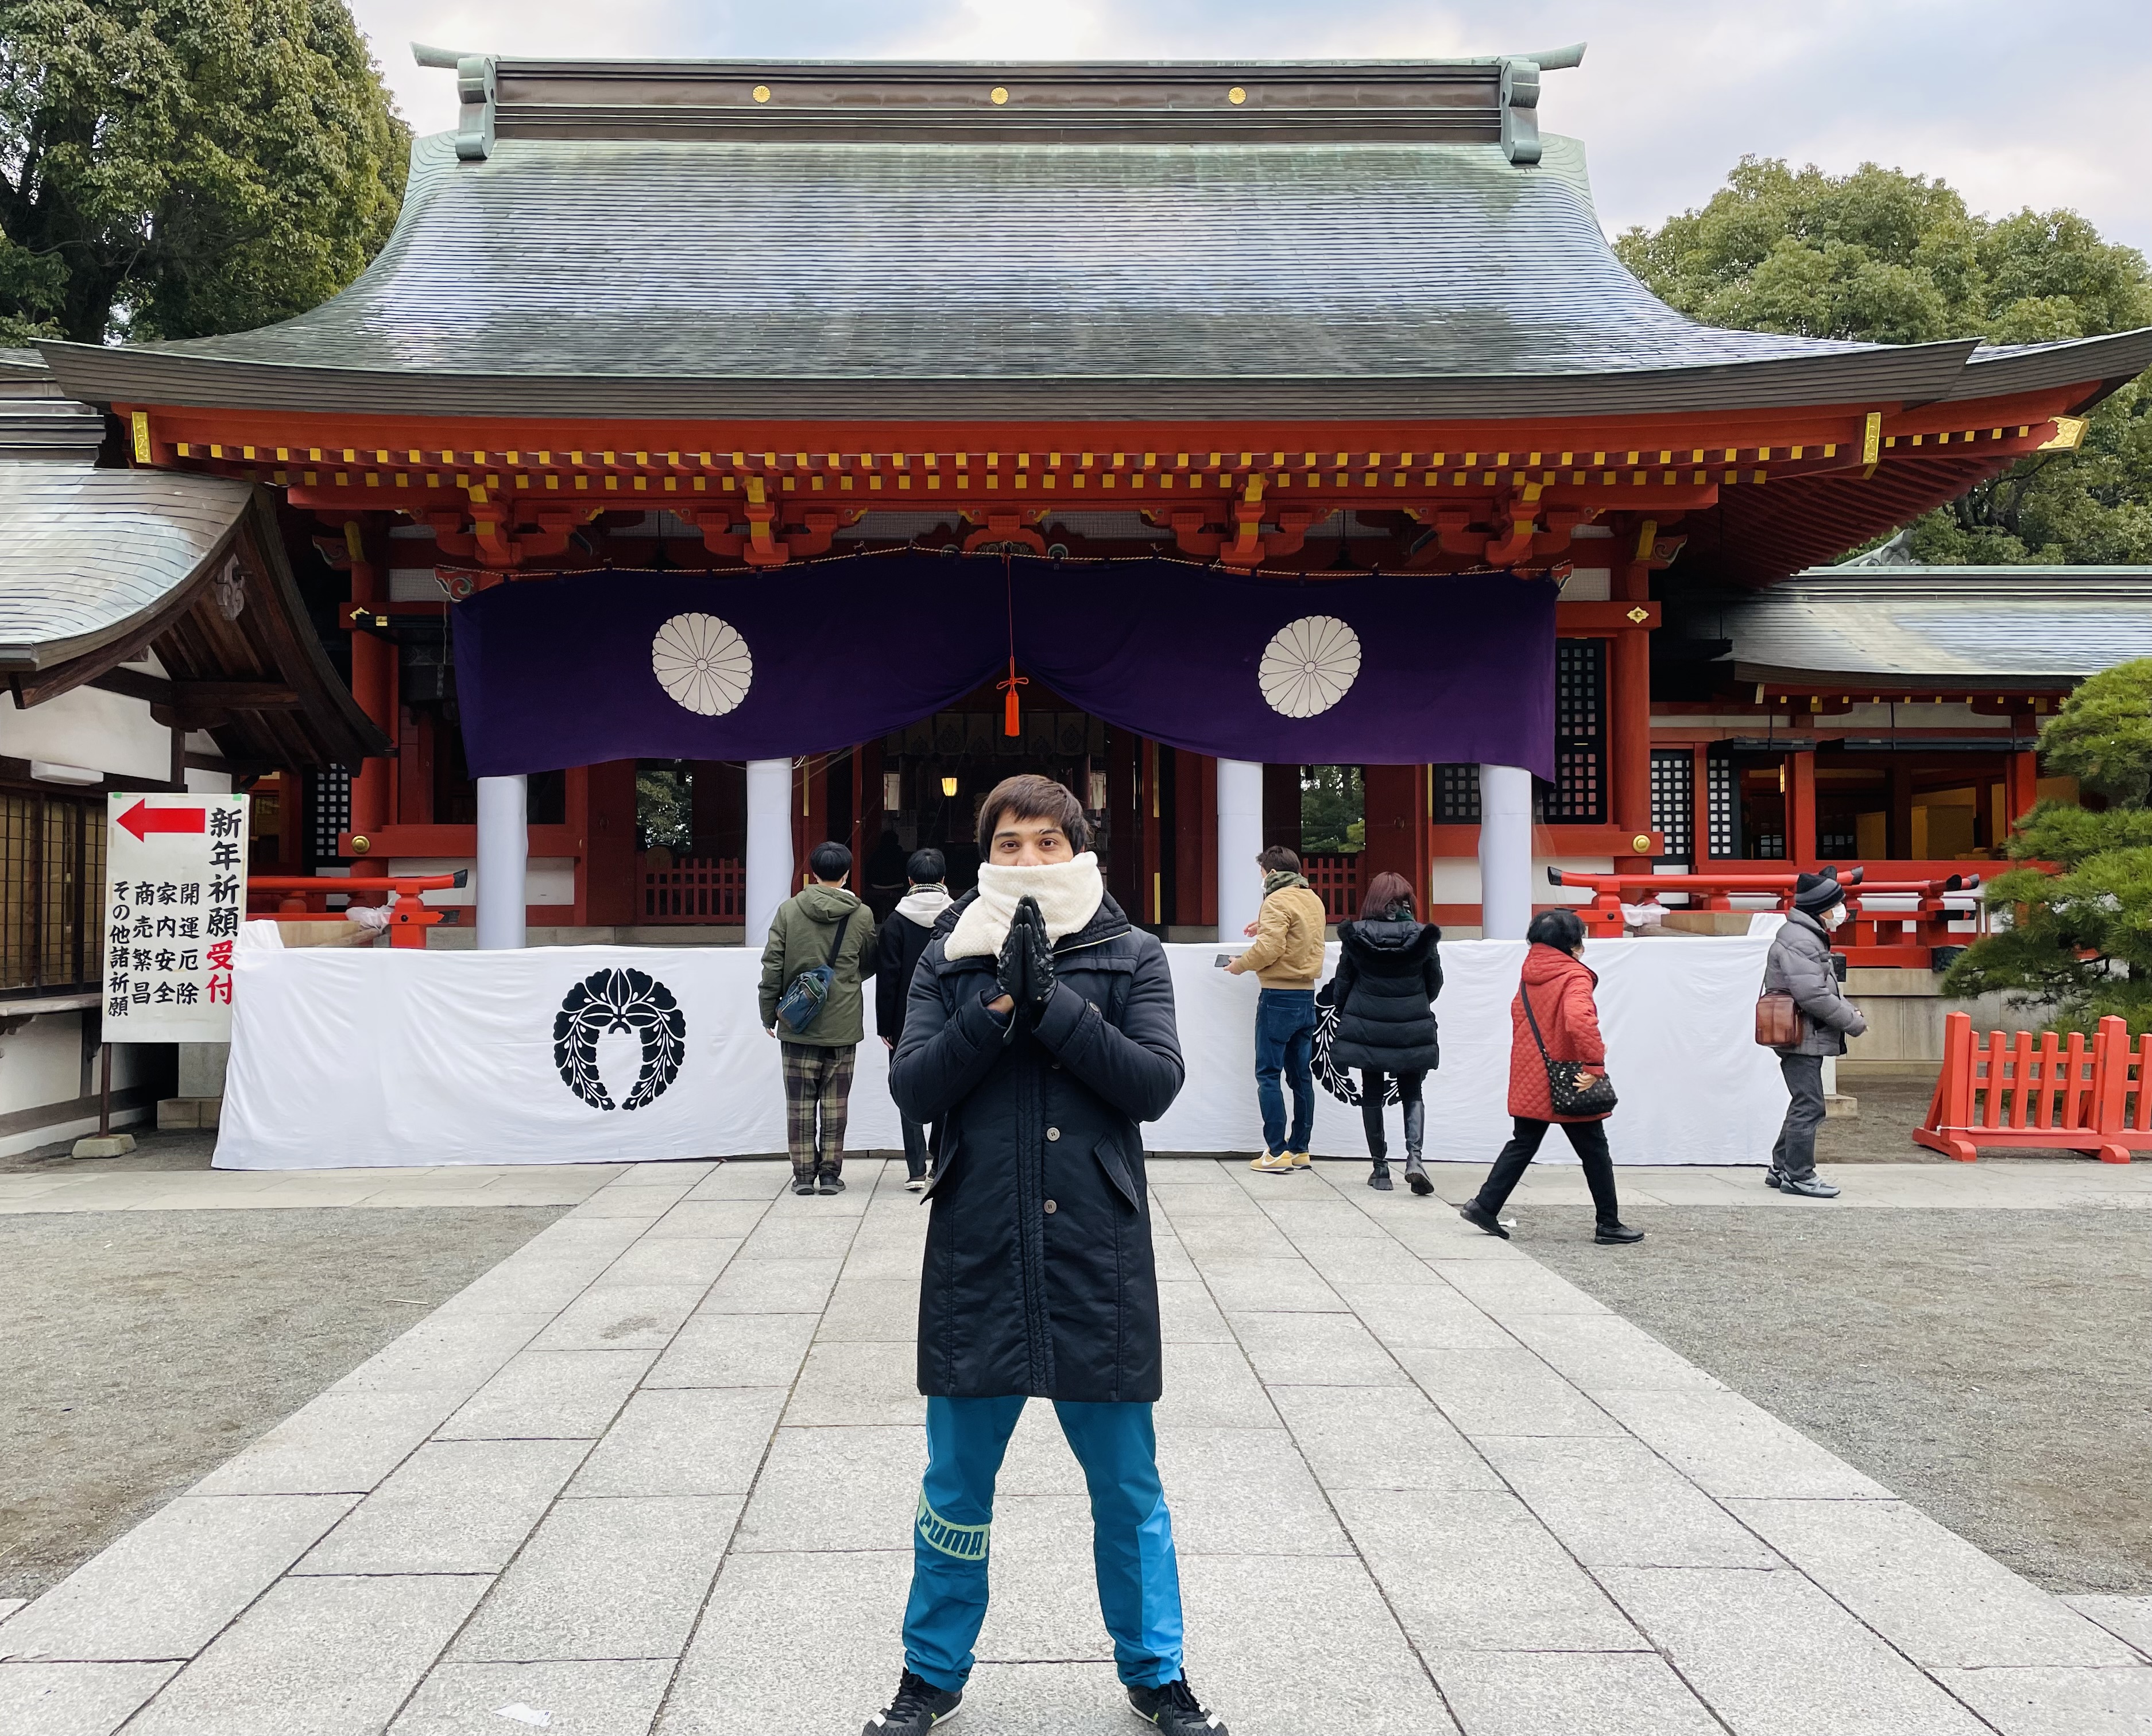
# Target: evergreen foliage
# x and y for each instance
(1888, 257)
(2081, 940)
(175, 168)
(1332, 810)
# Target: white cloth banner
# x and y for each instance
(343, 1058)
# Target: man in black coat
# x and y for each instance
(900, 941)
(1039, 1034)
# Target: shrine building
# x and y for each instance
(1304, 324)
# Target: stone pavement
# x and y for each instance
(657, 1471)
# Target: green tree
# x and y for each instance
(2080, 940)
(174, 168)
(1893, 258)
(1332, 808)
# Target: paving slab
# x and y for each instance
(2057, 1701)
(855, 1382)
(673, 1260)
(459, 1506)
(169, 1586)
(621, 1577)
(1718, 1627)
(688, 1440)
(1569, 1693)
(1731, 1449)
(2128, 1619)
(1315, 1350)
(75, 1699)
(1211, 1386)
(610, 1316)
(1244, 1492)
(1927, 1591)
(1379, 1438)
(1604, 1353)
(734, 1350)
(1616, 1503)
(1474, 1570)
(329, 1657)
(836, 1489)
(773, 1286)
(600, 1698)
(341, 1442)
(1425, 1314)
(550, 1395)
(1504, 1392)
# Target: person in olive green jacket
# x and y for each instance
(1287, 958)
(818, 1060)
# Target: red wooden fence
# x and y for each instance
(1336, 879)
(708, 890)
(2009, 1090)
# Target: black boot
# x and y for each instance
(1616, 1236)
(1416, 1175)
(1478, 1216)
(1379, 1180)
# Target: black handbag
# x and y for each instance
(1568, 1097)
(802, 1000)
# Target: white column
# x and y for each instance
(769, 844)
(1505, 852)
(1240, 842)
(504, 856)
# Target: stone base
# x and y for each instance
(188, 1112)
(110, 1145)
(1838, 1107)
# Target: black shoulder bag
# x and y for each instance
(802, 1001)
(1568, 1097)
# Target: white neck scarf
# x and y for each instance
(1068, 894)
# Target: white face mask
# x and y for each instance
(1835, 916)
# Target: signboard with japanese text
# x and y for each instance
(174, 896)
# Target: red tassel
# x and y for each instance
(1012, 723)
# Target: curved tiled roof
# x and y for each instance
(87, 556)
(1979, 623)
(877, 243)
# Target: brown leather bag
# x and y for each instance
(1779, 1021)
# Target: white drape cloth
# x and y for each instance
(342, 1058)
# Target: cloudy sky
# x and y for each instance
(2015, 104)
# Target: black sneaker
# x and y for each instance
(918, 1707)
(1476, 1215)
(1772, 1178)
(803, 1183)
(830, 1182)
(1616, 1236)
(1176, 1709)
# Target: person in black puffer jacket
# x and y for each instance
(1388, 977)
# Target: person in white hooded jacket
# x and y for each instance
(902, 939)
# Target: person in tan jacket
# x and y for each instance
(1286, 959)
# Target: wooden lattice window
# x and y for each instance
(1457, 795)
(1723, 788)
(1673, 802)
(51, 880)
(1578, 793)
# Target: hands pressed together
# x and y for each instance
(1024, 971)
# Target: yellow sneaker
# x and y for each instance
(1300, 1159)
(1278, 1162)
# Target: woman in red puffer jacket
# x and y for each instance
(1560, 985)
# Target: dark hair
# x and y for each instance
(1387, 891)
(1561, 929)
(926, 868)
(829, 860)
(1031, 797)
(1278, 860)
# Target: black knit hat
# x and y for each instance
(1816, 893)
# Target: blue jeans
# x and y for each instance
(1285, 1045)
(1131, 1535)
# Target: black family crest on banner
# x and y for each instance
(619, 1000)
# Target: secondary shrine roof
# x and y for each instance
(802, 239)
(1943, 623)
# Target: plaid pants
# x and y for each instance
(816, 1078)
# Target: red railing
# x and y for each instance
(1335, 877)
(305, 898)
(1895, 922)
(693, 889)
(2008, 1092)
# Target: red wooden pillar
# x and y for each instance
(1196, 838)
(1398, 817)
(609, 880)
(1801, 811)
(866, 803)
(2020, 773)
(1281, 806)
(372, 685)
(1629, 719)
(1123, 825)
(810, 821)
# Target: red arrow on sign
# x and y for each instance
(142, 819)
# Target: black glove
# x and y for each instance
(1037, 959)
(1009, 967)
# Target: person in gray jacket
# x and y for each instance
(1800, 965)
